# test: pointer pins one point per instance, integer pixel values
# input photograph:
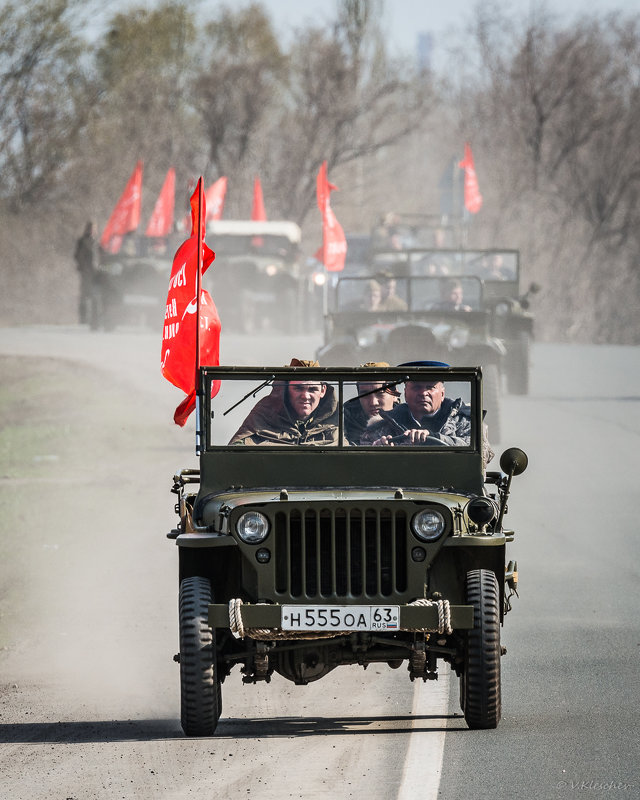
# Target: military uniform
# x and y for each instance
(451, 423)
(272, 422)
(355, 420)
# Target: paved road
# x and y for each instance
(89, 705)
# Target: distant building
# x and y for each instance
(425, 50)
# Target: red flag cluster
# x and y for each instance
(191, 333)
(334, 245)
(161, 222)
(472, 196)
(125, 217)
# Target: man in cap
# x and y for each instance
(427, 416)
(295, 412)
(363, 410)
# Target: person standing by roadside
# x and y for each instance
(86, 258)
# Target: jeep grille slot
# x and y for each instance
(333, 553)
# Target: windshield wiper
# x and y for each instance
(252, 393)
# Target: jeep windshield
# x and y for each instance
(488, 265)
(319, 408)
(383, 293)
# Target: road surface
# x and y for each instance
(90, 695)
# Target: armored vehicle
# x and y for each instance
(502, 297)
(299, 554)
(384, 318)
(258, 273)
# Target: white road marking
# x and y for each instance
(423, 764)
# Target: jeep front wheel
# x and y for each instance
(480, 694)
(200, 692)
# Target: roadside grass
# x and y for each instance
(64, 432)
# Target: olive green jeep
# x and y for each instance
(297, 559)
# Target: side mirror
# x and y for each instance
(513, 461)
(534, 288)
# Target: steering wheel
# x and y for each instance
(429, 441)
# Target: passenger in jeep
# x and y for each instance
(296, 412)
(372, 398)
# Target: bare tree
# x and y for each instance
(45, 94)
(346, 100)
(555, 111)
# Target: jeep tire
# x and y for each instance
(480, 693)
(200, 691)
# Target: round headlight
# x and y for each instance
(503, 308)
(319, 278)
(459, 337)
(252, 527)
(427, 525)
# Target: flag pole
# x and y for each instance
(198, 292)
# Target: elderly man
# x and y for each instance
(426, 417)
(296, 412)
(361, 411)
(425, 414)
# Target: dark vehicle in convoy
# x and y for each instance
(299, 559)
(507, 305)
(130, 287)
(402, 231)
(384, 318)
(258, 279)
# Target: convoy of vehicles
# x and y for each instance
(499, 330)
(297, 560)
(421, 321)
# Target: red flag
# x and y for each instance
(334, 245)
(161, 221)
(125, 217)
(472, 196)
(214, 199)
(258, 214)
(183, 345)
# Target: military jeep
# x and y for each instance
(299, 559)
(503, 299)
(418, 318)
(258, 273)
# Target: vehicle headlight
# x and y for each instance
(459, 338)
(319, 278)
(503, 308)
(428, 525)
(252, 527)
(271, 270)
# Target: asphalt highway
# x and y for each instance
(90, 700)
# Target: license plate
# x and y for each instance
(340, 618)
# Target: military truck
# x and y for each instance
(415, 318)
(299, 559)
(502, 296)
(258, 280)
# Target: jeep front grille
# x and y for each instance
(340, 553)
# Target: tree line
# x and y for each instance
(550, 107)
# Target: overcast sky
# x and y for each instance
(403, 19)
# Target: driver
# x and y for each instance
(426, 414)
